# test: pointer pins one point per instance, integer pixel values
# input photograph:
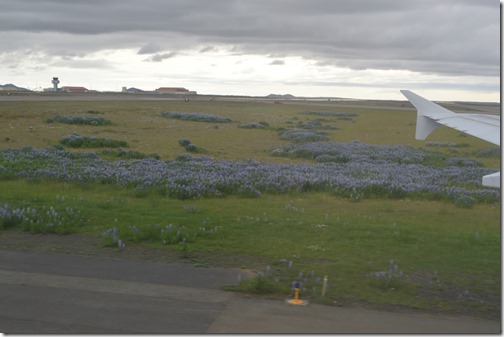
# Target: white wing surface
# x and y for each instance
(431, 115)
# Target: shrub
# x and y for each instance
(315, 125)
(330, 113)
(184, 157)
(121, 153)
(87, 120)
(303, 136)
(494, 152)
(192, 148)
(77, 141)
(464, 201)
(254, 125)
(196, 117)
(184, 142)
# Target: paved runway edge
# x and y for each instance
(254, 315)
(58, 293)
(113, 286)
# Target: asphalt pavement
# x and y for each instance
(48, 293)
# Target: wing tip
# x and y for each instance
(492, 180)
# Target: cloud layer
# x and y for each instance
(448, 37)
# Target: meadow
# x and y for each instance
(344, 192)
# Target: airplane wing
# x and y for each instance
(431, 115)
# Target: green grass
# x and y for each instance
(344, 240)
(332, 236)
(140, 124)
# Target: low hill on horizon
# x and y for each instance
(276, 96)
(11, 87)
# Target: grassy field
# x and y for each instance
(445, 258)
(23, 123)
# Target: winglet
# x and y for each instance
(492, 180)
(427, 112)
(430, 115)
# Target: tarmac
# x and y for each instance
(48, 293)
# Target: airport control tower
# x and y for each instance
(55, 83)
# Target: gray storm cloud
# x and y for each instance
(455, 37)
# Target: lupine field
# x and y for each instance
(349, 170)
(343, 192)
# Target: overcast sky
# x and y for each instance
(442, 49)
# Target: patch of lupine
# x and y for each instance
(77, 141)
(330, 113)
(468, 162)
(494, 152)
(254, 125)
(366, 171)
(357, 152)
(165, 234)
(196, 117)
(189, 146)
(87, 120)
(122, 153)
(384, 279)
(45, 220)
(11, 217)
(303, 136)
(444, 144)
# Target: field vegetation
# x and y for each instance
(348, 193)
(87, 120)
(77, 141)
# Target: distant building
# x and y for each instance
(74, 89)
(55, 82)
(176, 91)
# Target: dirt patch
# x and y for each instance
(81, 244)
